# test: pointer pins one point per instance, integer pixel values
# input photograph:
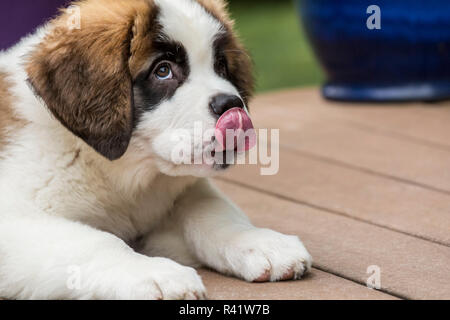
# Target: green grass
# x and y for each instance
(280, 51)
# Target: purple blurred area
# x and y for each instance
(20, 17)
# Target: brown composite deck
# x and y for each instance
(362, 185)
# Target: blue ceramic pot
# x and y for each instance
(407, 59)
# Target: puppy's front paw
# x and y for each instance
(262, 255)
(177, 282)
(152, 279)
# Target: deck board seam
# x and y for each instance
(384, 290)
(397, 135)
(376, 129)
(372, 172)
(332, 211)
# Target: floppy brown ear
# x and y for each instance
(83, 74)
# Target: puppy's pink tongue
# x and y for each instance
(234, 131)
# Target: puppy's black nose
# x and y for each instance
(224, 102)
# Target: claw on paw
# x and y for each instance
(265, 277)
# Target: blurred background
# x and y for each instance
(406, 58)
(272, 32)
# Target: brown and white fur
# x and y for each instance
(86, 178)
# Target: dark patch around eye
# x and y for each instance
(238, 61)
(220, 57)
(149, 91)
(228, 62)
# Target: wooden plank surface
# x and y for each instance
(425, 123)
(361, 184)
(361, 195)
(393, 181)
(317, 285)
(410, 267)
(311, 125)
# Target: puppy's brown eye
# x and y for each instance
(163, 72)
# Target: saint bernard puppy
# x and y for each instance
(92, 203)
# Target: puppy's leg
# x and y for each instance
(222, 237)
(50, 258)
(168, 241)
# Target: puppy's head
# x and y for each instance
(146, 79)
